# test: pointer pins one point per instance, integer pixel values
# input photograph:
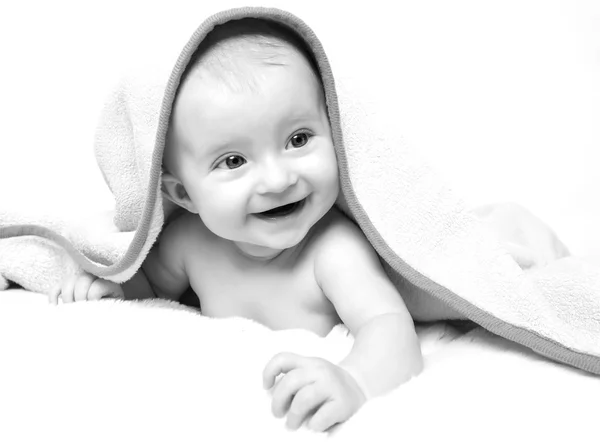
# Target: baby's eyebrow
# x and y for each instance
(305, 116)
(215, 149)
(298, 121)
(219, 147)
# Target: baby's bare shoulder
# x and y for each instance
(183, 232)
(338, 235)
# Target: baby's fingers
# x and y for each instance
(286, 389)
(101, 288)
(306, 401)
(67, 291)
(280, 364)
(329, 414)
(53, 297)
(82, 287)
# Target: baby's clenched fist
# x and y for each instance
(311, 390)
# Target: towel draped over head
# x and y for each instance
(432, 247)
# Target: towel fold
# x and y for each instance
(434, 249)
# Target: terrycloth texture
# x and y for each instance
(156, 374)
(432, 246)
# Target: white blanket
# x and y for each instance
(111, 371)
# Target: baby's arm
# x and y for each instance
(162, 274)
(386, 350)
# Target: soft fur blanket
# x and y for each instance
(434, 248)
(121, 371)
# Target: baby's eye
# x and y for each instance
(300, 139)
(232, 162)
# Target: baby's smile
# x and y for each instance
(281, 212)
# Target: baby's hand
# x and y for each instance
(311, 389)
(86, 287)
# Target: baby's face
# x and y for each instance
(258, 164)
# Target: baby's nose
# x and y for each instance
(276, 178)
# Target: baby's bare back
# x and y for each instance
(281, 293)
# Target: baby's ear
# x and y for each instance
(174, 190)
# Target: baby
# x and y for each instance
(250, 158)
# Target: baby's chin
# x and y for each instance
(269, 247)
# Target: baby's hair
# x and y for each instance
(227, 47)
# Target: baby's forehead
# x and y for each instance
(242, 46)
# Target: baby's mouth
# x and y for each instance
(282, 211)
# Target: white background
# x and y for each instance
(513, 115)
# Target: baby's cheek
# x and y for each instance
(331, 172)
(324, 165)
(213, 206)
(326, 179)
